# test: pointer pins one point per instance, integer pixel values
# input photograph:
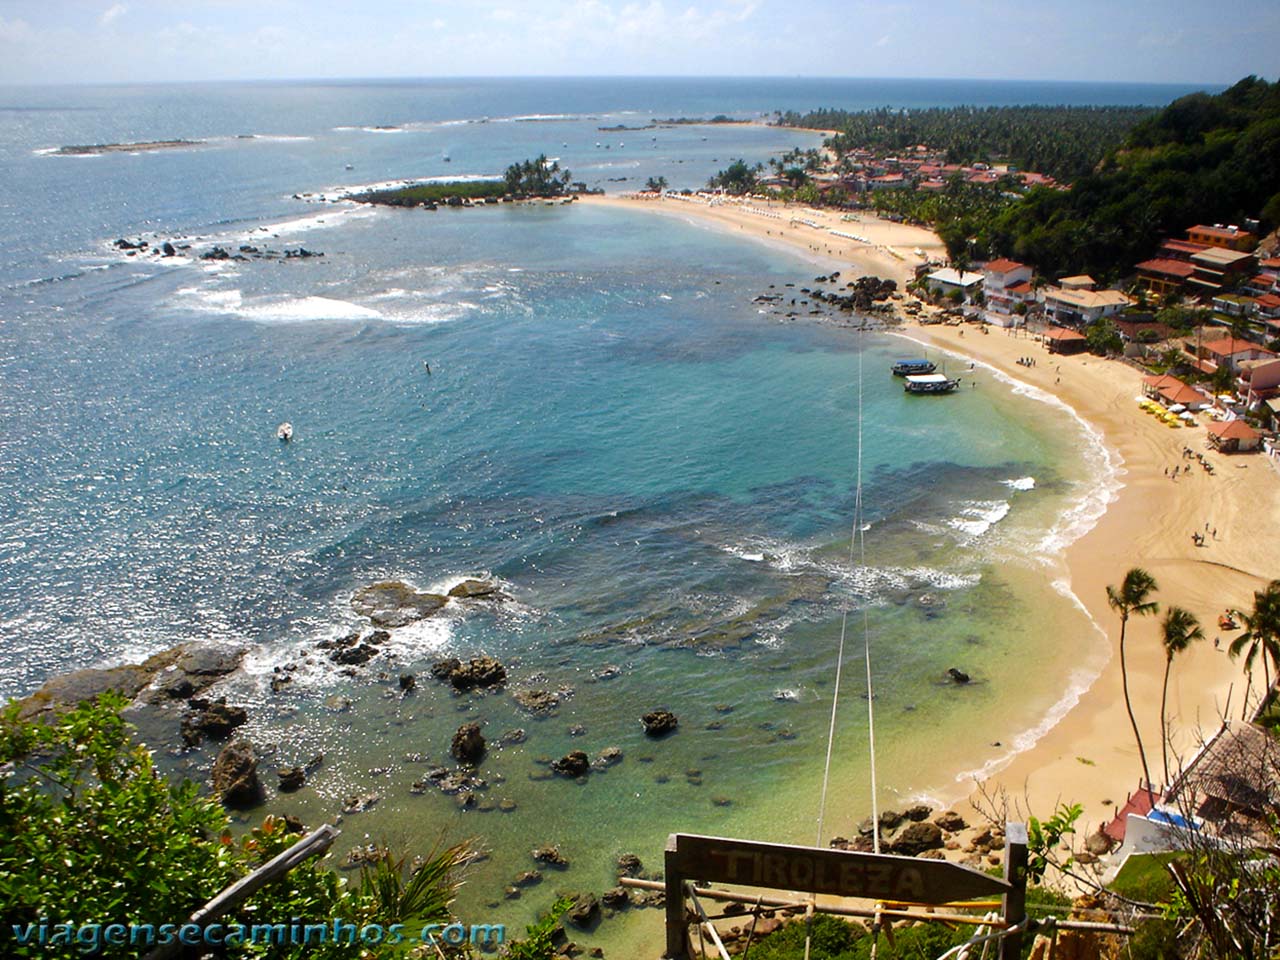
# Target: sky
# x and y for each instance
(1158, 41)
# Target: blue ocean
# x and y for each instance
(660, 474)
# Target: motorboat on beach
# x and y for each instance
(931, 383)
(903, 368)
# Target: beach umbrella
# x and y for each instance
(1188, 416)
(1177, 408)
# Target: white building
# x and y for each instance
(947, 280)
(1075, 308)
(1005, 284)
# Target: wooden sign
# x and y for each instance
(841, 873)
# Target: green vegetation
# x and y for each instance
(836, 939)
(424, 193)
(91, 833)
(958, 213)
(738, 178)
(538, 177)
(1203, 159)
(1063, 142)
(1145, 877)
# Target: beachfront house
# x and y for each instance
(949, 280)
(1229, 352)
(1259, 381)
(1233, 436)
(1216, 268)
(1077, 308)
(1005, 285)
(1062, 340)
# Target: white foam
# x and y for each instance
(979, 516)
(275, 309)
(1022, 483)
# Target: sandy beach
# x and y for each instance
(1089, 756)
(886, 249)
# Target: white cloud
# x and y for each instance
(883, 41)
(14, 31)
(112, 14)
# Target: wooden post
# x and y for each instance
(1015, 900)
(312, 845)
(676, 927)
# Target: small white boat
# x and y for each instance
(284, 432)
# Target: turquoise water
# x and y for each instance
(661, 475)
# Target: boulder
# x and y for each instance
(468, 744)
(513, 737)
(407, 682)
(607, 757)
(918, 812)
(950, 821)
(889, 819)
(291, 779)
(572, 764)
(474, 589)
(354, 656)
(959, 676)
(211, 718)
(1098, 843)
(550, 854)
(443, 669)
(235, 775)
(618, 897)
(584, 912)
(917, 838)
(629, 865)
(478, 672)
(537, 700)
(659, 723)
(393, 603)
(168, 249)
(528, 878)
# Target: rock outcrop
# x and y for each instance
(235, 775)
(393, 603)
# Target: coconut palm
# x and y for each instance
(1178, 631)
(1131, 600)
(1261, 637)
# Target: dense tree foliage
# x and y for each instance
(738, 178)
(1064, 142)
(539, 177)
(92, 836)
(1203, 159)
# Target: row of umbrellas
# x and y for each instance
(1175, 416)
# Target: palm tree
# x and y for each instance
(1261, 637)
(1129, 600)
(1179, 629)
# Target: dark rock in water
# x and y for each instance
(577, 730)
(572, 764)
(507, 805)
(629, 864)
(465, 800)
(353, 656)
(123, 244)
(550, 854)
(917, 838)
(291, 778)
(659, 723)
(443, 669)
(468, 744)
(360, 802)
(168, 249)
(513, 737)
(408, 681)
(474, 589)
(607, 757)
(537, 700)
(959, 676)
(950, 821)
(214, 719)
(617, 897)
(918, 812)
(584, 912)
(393, 603)
(528, 878)
(235, 775)
(889, 819)
(340, 643)
(217, 253)
(478, 672)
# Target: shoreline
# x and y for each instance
(1087, 754)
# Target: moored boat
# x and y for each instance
(931, 383)
(903, 368)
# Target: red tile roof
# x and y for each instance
(1268, 301)
(1022, 286)
(1232, 430)
(1003, 265)
(1061, 333)
(1139, 802)
(1229, 346)
(1162, 266)
(1184, 246)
